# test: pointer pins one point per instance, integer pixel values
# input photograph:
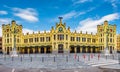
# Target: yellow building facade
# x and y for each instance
(118, 42)
(59, 40)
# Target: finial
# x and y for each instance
(105, 22)
(60, 19)
(13, 22)
(81, 32)
(91, 33)
(38, 31)
(75, 31)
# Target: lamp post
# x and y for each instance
(106, 51)
(14, 52)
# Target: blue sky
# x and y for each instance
(41, 15)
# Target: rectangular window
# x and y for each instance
(110, 39)
(72, 38)
(47, 39)
(7, 40)
(78, 39)
(83, 39)
(54, 37)
(17, 40)
(30, 40)
(7, 35)
(43, 39)
(35, 40)
(25, 40)
(88, 39)
(93, 40)
(66, 37)
(101, 40)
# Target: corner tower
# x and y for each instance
(110, 31)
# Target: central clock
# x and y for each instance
(60, 29)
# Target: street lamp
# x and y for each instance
(106, 51)
(14, 51)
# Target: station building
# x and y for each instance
(118, 43)
(59, 39)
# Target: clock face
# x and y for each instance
(60, 29)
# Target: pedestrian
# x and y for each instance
(75, 55)
(98, 56)
(84, 56)
(91, 55)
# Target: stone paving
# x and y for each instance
(56, 62)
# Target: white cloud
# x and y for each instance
(80, 1)
(84, 12)
(69, 15)
(4, 20)
(25, 30)
(90, 25)
(3, 12)
(113, 2)
(28, 14)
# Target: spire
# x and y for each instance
(60, 19)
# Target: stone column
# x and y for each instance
(23, 51)
(44, 49)
(39, 49)
(33, 50)
(81, 49)
(86, 49)
(28, 51)
(96, 50)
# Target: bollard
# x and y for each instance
(12, 58)
(88, 57)
(42, 59)
(5, 58)
(119, 58)
(31, 59)
(54, 58)
(21, 58)
(113, 57)
(78, 58)
(66, 58)
(106, 57)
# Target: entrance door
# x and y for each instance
(60, 48)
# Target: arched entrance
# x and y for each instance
(42, 49)
(72, 49)
(111, 49)
(60, 48)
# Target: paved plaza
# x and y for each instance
(61, 62)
